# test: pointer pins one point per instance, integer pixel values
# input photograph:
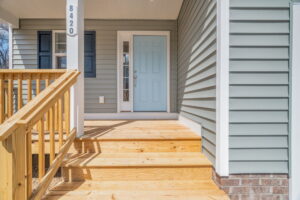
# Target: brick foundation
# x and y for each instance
(255, 186)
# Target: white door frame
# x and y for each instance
(119, 65)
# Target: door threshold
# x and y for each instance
(131, 115)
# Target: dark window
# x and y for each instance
(45, 49)
(45, 52)
(90, 54)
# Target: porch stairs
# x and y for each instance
(144, 160)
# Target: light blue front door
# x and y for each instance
(150, 73)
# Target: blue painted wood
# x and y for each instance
(150, 68)
(44, 49)
(90, 54)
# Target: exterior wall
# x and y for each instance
(259, 86)
(105, 83)
(255, 186)
(197, 68)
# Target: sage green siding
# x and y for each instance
(259, 86)
(105, 83)
(197, 68)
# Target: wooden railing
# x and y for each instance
(17, 87)
(49, 109)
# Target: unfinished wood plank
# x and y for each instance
(29, 162)
(136, 130)
(41, 149)
(60, 122)
(29, 89)
(144, 195)
(95, 146)
(52, 134)
(20, 92)
(131, 186)
(38, 84)
(45, 181)
(137, 174)
(47, 82)
(161, 159)
(67, 111)
(2, 100)
(12, 153)
(56, 117)
(10, 96)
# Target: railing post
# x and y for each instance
(13, 166)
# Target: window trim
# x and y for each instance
(54, 55)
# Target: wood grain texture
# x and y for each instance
(16, 134)
(2, 100)
(41, 149)
(10, 106)
(67, 111)
(125, 159)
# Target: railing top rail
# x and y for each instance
(33, 110)
(33, 71)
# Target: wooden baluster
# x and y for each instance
(56, 117)
(67, 111)
(20, 89)
(41, 148)
(47, 82)
(60, 123)
(38, 89)
(29, 162)
(29, 92)
(38, 85)
(10, 96)
(52, 134)
(2, 100)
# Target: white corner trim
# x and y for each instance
(194, 126)
(10, 46)
(222, 100)
(131, 115)
(295, 105)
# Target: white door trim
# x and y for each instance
(119, 69)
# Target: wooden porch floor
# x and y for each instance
(143, 159)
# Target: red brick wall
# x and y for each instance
(255, 186)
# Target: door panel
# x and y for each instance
(150, 73)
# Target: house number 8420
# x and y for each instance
(72, 20)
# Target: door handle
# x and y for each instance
(134, 78)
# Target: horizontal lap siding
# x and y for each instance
(259, 86)
(105, 83)
(197, 68)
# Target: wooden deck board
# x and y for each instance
(137, 159)
(137, 130)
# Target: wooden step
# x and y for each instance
(137, 166)
(131, 136)
(157, 195)
(95, 146)
(123, 190)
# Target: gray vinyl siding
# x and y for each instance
(197, 68)
(259, 86)
(105, 83)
